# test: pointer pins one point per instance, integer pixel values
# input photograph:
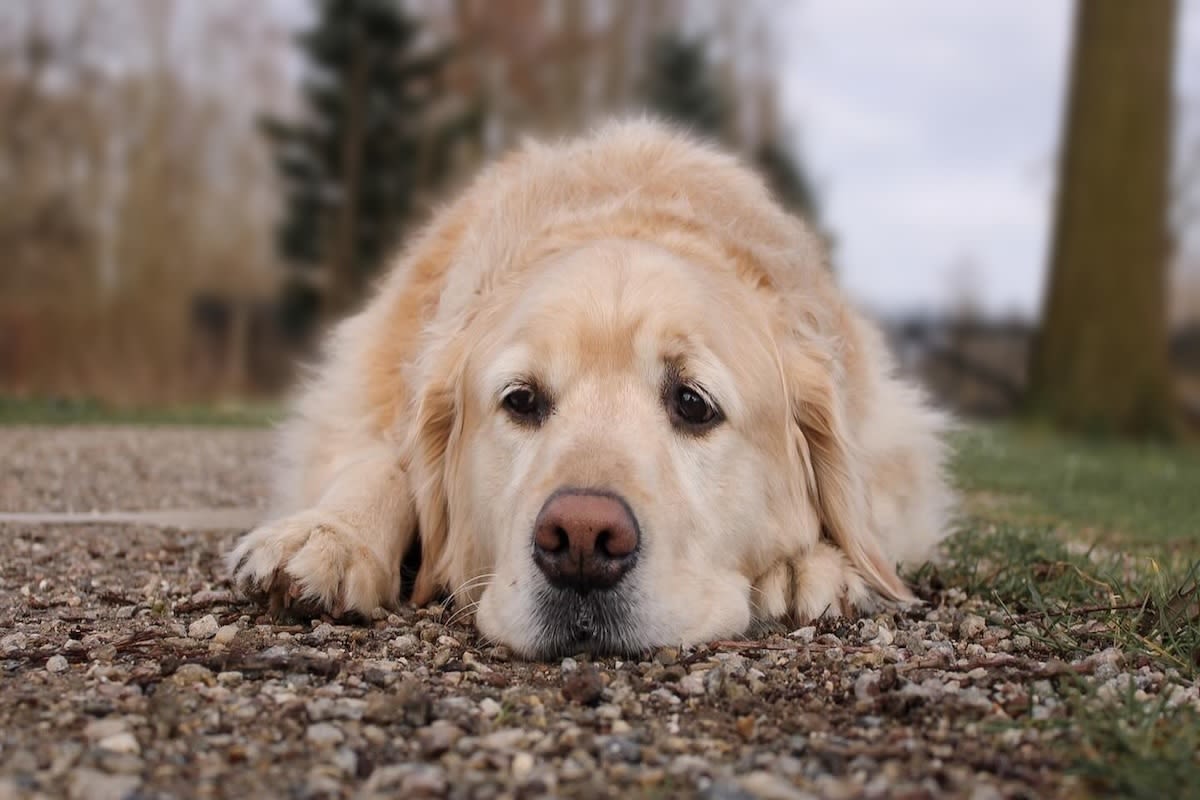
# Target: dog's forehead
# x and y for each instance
(618, 281)
(614, 303)
(621, 308)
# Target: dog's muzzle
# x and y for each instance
(585, 542)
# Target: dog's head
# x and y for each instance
(614, 450)
(612, 441)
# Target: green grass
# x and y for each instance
(1058, 531)
(1105, 490)
(1134, 748)
(24, 411)
(1083, 545)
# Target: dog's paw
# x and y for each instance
(821, 583)
(310, 563)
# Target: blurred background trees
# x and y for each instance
(367, 144)
(131, 181)
(188, 191)
(159, 248)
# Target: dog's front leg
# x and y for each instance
(344, 553)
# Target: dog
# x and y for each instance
(615, 395)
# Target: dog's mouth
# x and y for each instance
(599, 622)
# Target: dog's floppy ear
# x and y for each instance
(431, 444)
(834, 466)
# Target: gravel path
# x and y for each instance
(130, 671)
(110, 468)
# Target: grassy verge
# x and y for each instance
(1084, 546)
(24, 411)
(1100, 491)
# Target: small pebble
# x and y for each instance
(805, 635)
(204, 628)
(324, 734)
(971, 626)
(125, 743)
(438, 738)
(583, 686)
(225, 634)
(767, 786)
(667, 656)
(405, 645)
(690, 685)
(522, 765)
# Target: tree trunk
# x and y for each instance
(344, 278)
(1100, 363)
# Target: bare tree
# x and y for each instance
(1101, 359)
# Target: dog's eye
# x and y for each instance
(691, 409)
(525, 404)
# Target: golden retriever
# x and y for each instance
(615, 394)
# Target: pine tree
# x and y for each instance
(355, 161)
(1100, 362)
(682, 87)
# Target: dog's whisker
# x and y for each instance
(464, 589)
(475, 578)
(471, 583)
(487, 641)
(461, 613)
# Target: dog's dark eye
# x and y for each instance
(690, 408)
(525, 404)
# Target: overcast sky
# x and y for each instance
(931, 126)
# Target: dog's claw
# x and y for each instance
(273, 582)
(275, 604)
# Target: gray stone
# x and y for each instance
(323, 734)
(204, 628)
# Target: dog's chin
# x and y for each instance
(600, 622)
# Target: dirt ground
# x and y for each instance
(129, 670)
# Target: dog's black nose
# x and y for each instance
(585, 540)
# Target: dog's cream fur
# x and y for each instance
(589, 266)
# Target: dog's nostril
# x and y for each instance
(562, 540)
(614, 544)
(619, 542)
(552, 539)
